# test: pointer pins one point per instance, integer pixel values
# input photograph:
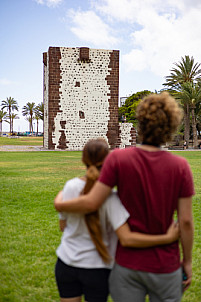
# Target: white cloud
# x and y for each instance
(163, 40)
(5, 82)
(185, 5)
(49, 3)
(135, 60)
(127, 10)
(121, 10)
(160, 31)
(90, 28)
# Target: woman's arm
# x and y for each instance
(140, 240)
(84, 203)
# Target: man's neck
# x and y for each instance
(149, 148)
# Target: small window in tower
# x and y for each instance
(84, 55)
(81, 114)
(77, 84)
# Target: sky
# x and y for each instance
(151, 35)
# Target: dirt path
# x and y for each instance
(41, 148)
(21, 148)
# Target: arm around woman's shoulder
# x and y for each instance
(84, 203)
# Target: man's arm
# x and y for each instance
(84, 203)
(140, 240)
(185, 219)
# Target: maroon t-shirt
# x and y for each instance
(149, 185)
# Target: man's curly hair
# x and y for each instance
(158, 116)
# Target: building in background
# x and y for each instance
(122, 101)
(81, 88)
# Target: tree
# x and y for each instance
(39, 114)
(40, 110)
(13, 117)
(198, 116)
(28, 119)
(36, 117)
(28, 111)
(10, 105)
(186, 71)
(3, 117)
(191, 94)
(129, 109)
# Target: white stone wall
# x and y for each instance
(90, 98)
(45, 102)
(125, 136)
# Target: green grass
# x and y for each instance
(29, 230)
(21, 141)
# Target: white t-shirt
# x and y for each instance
(76, 248)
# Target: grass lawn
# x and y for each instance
(29, 230)
(22, 141)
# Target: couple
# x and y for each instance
(152, 185)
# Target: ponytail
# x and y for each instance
(100, 149)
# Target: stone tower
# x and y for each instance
(81, 98)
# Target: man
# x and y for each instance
(152, 184)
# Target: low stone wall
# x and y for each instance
(127, 135)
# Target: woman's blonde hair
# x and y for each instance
(93, 155)
(158, 116)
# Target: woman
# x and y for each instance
(85, 255)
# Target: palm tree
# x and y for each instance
(198, 114)
(10, 104)
(13, 117)
(28, 119)
(185, 71)
(40, 109)
(191, 94)
(28, 111)
(39, 112)
(3, 117)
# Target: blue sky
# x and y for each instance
(150, 34)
